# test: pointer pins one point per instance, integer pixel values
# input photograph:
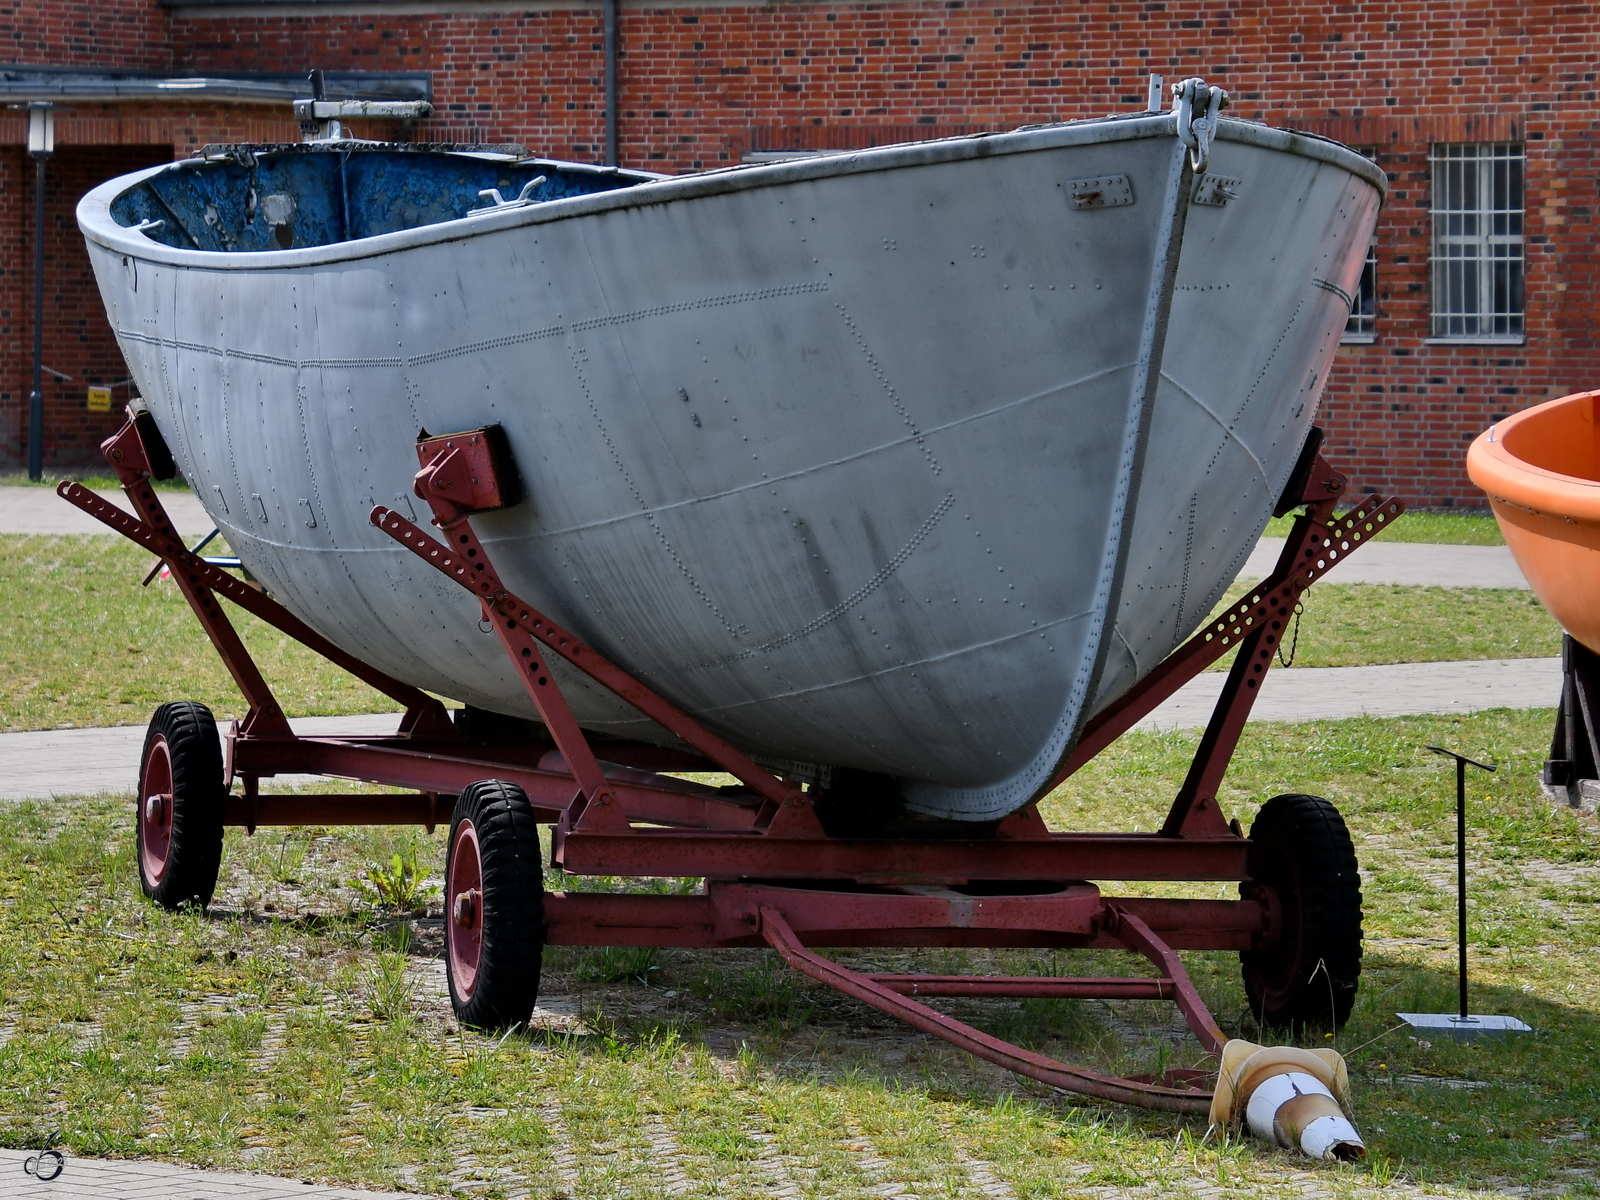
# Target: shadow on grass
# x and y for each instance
(1518, 1111)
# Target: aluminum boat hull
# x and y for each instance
(896, 461)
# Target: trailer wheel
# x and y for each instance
(179, 801)
(1300, 848)
(494, 906)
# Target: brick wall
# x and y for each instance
(130, 34)
(78, 343)
(93, 144)
(704, 84)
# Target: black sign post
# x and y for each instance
(1462, 1025)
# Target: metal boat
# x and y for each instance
(903, 461)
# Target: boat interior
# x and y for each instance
(244, 199)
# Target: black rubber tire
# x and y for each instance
(1300, 848)
(512, 872)
(194, 853)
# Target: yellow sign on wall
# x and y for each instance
(99, 399)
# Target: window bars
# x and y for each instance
(1477, 242)
(1362, 324)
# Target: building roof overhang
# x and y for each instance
(68, 84)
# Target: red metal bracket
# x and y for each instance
(1317, 542)
(465, 473)
(725, 916)
(1254, 626)
(460, 472)
(894, 1001)
(201, 583)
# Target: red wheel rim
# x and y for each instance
(155, 811)
(464, 910)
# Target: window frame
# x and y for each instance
(1366, 297)
(1477, 246)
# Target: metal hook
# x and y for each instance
(1197, 132)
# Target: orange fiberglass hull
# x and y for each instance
(1541, 470)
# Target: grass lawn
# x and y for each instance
(1471, 528)
(298, 1029)
(98, 479)
(1355, 625)
(88, 646)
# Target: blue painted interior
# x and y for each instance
(337, 195)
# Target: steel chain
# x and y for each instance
(1299, 609)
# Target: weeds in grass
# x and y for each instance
(286, 869)
(763, 990)
(391, 988)
(617, 964)
(401, 886)
(1383, 1169)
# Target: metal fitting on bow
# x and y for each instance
(1191, 96)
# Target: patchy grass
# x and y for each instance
(89, 646)
(99, 479)
(1476, 528)
(1357, 625)
(86, 645)
(299, 1029)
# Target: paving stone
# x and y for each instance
(66, 762)
(1410, 564)
(1391, 690)
(40, 510)
(87, 762)
(144, 1179)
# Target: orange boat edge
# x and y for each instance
(1541, 471)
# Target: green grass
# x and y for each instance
(86, 645)
(1475, 528)
(98, 478)
(1354, 625)
(298, 1029)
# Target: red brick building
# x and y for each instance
(1484, 117)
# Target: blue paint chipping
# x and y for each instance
(293, 197)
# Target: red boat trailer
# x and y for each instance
(773, 874)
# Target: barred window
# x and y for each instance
(1362, 324)
(1477, 242)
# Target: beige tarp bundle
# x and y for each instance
(1293, 1097)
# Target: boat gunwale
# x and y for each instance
(1507, 478)
(96, 223)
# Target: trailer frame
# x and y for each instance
(774, 876)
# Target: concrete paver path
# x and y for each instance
(85, 762)
(1391, 690)
(40, 510)
(143, 1179)
(1409, 564)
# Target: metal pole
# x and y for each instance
(1462, 763)
(1461, 880)
(36, 397)
(611, 81)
